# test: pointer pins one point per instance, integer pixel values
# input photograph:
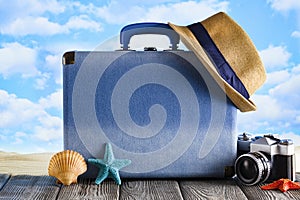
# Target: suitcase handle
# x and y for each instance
(148, 28)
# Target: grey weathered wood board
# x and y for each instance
(44, 187)
(3, 179)
(30, 187)
(211, 189)
(87, 189)
(151, 189)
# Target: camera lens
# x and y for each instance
(252, 168)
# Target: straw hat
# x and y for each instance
(228, 54)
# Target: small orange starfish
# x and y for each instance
(282, 184)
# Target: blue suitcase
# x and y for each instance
(160, 109)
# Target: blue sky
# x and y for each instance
(34, 34)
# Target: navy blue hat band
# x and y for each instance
(222, 66)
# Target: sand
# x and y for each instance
(37, 164)
(30, 164)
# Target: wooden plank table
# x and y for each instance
(44, 187)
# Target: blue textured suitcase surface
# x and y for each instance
(160, 109)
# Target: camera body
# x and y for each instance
(264, 158)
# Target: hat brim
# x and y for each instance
(189, 40)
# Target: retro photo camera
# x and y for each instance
(264, 158)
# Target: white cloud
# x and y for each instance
(53, 100)
(19, 137)
(33, 25)
(17, 111)
(274, 113)
(20, 134)
(25, 17)
(185, 12)
(288, 87)
(296, 69)
(285, 5)
(18, 141)
(46, 134)
(135, 11)
(31, 118)
(42, 26)
(17, 59)
(54, 65)
(268, 108)
(118, 12)
(50, 128)
(277, 77)
(36, 22)
(14, 9)
(288, 93)
(296, 34)
(83, 22)
(41, 81)
(57, 49)
(275, 57)
(20, 60)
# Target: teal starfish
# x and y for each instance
(109, 167)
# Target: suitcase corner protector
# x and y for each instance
(68, 58)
